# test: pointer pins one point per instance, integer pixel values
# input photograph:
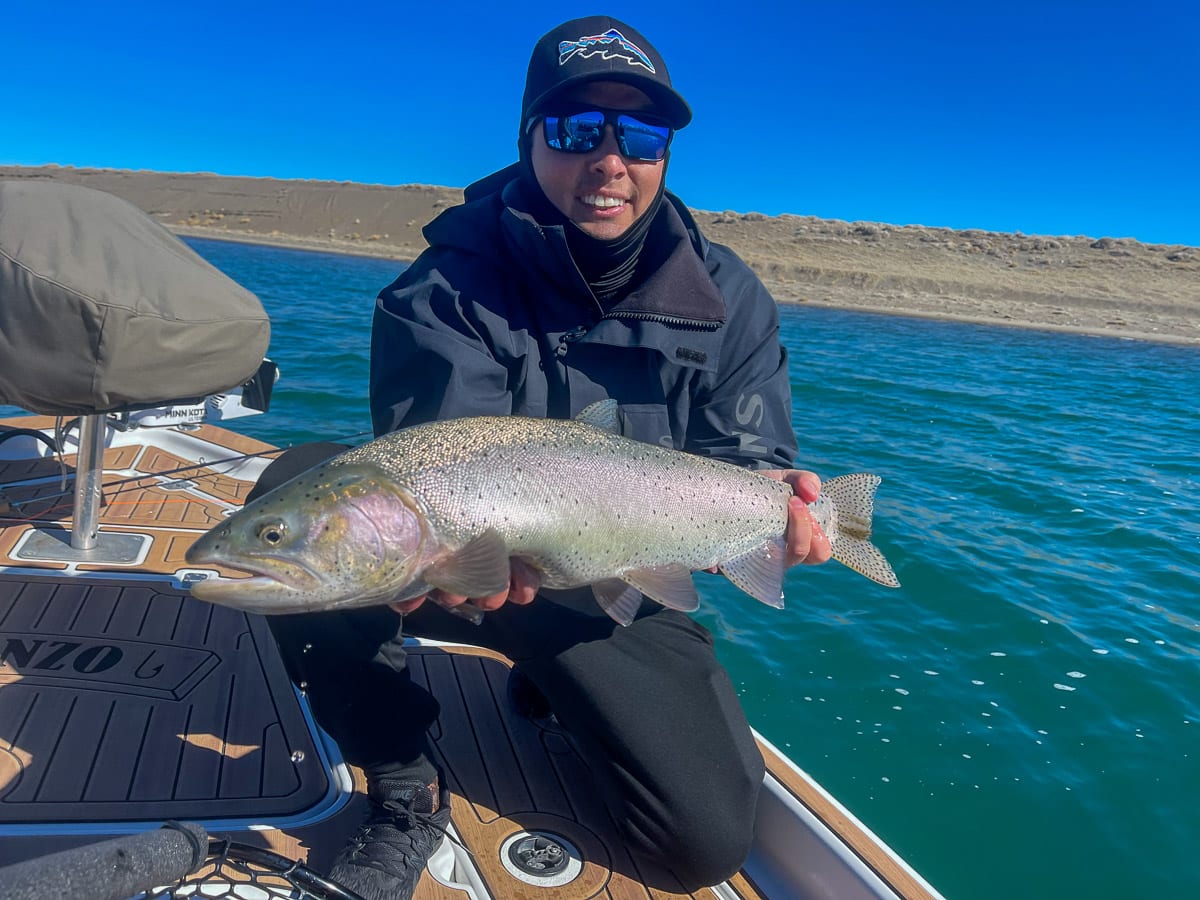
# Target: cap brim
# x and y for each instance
(667, 103)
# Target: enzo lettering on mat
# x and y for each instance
(51, 656)
(147, 669)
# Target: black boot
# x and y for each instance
(387, 854)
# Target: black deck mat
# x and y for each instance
(128, 700)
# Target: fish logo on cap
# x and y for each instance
(610, 44)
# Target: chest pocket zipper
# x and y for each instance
(569, 338)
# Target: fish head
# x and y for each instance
(334, 536)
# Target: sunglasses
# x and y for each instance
(638, 136)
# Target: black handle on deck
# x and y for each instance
(115, 869)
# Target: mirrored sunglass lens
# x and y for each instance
(575, 134)
(642, 140)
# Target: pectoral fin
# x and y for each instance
(479, 569)
(760, 572)
(670, 585)
(472, 614)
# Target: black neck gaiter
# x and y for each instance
(608, 266)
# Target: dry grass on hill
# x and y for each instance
(1105, 286)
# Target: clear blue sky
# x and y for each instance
(1043, 117)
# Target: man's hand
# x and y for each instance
(523, 585)
(806, 542)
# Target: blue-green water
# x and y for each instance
(1022, 718)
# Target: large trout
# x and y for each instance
(445, 505)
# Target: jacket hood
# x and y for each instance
(492, 224)
(498, 190)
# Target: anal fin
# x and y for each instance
(759, 572)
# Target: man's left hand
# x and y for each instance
(806, 542)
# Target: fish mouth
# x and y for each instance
(267, 576)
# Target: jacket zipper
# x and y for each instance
(569, 337)
(662, 319)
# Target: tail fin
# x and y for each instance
(853, 500)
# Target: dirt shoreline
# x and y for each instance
(1109, 286)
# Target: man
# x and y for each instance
(570, 277)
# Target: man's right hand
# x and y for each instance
(523, 585)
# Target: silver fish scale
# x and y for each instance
(580, 503)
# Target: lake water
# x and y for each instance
(1022, 718)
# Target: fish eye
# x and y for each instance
(272, 534)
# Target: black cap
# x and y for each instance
(599, 48)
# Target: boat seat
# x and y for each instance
(103, 310)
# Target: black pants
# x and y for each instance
(649, 706)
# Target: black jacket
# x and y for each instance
(495, 319)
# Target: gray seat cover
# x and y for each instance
(103, 309)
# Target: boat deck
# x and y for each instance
(128, 703)
(124, 702)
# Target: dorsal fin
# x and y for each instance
(602, 414)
